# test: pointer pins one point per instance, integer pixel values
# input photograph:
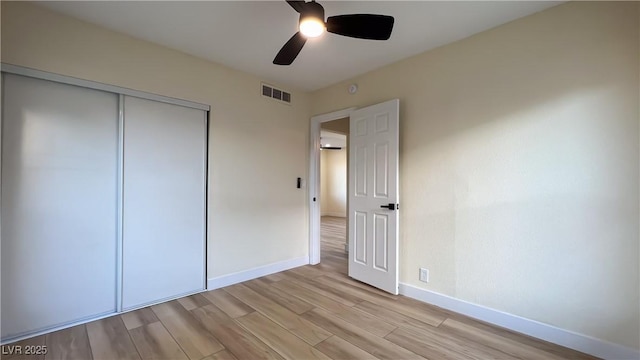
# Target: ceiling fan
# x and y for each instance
(312, 24)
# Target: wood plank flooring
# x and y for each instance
(311, 312)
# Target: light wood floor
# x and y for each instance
(311, 312)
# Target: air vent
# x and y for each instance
(276, 94)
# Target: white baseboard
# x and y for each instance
(12, 339)
(572, 340)
(230, 279)
(334, 214)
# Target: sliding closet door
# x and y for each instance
(59, 188)
(164, 201)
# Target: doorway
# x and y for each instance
(333, 193)
(315, 183)
(373, 194)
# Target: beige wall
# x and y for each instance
(333, 172)
(519, 166)
(339, 126)
(519, 155)
(256, 214)
(333, 182)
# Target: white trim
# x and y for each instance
(120, 205)
(160, 301)
(566, 338)
(24, 71)
(334, 115)
(314, 179)
(94, 318)
(205, 199)
(51, 329)
(238, 277)
(314, 192)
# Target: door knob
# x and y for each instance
(390, 206)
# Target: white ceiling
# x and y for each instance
(246, 35)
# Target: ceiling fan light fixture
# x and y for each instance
(311, 27)
(312, 24)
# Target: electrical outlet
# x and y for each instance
(424, 275)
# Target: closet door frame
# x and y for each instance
(121, 92)
(43, 75)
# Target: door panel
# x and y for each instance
(59, 189)
(360, 171)
(373, 173)
(382, 123)
(381, 242)
(360, 237)
(164, 201)
(381, 164)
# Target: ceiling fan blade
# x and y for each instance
(297, 5)
(290, 50)
(361, 26)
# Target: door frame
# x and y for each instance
(314, 178)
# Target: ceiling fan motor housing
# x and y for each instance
(312, 10)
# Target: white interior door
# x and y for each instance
(373, 195)
(59, 199)
(164, 201)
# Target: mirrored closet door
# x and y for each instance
(59, 185)
(103, 200)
